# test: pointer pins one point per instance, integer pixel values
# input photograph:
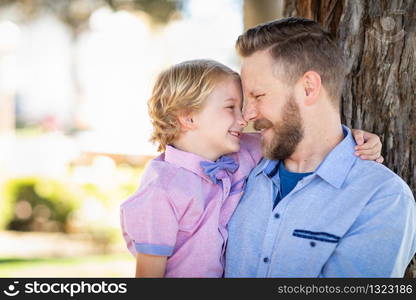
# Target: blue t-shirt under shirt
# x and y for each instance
(288, 181)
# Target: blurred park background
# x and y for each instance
(74, 81)
(75, 76)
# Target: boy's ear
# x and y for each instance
(186, 121)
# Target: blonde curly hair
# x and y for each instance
(182, 89)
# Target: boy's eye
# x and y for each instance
(232, 107)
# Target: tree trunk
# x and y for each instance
(379, 40)
(260, 11)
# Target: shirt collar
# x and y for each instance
(186, 160)
(266, 166)
(272, 168)
(335, 166)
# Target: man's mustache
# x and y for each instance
(262, 124)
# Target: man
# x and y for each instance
(311, 207)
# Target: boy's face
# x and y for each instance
(219, 124)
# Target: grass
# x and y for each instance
(29, 132)
(114, 265)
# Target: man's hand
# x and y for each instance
(368, 145)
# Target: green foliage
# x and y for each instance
(6, 206)
(86, 201)
(37, 204)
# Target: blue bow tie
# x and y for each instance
(223, 163)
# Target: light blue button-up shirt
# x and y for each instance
(350, 218)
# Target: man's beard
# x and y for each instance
(286, 135)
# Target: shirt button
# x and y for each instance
(313, 244)
(266, 259)
(276, 215)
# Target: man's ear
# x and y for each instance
(186, 121)
(311, 83)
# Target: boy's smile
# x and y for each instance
(235, 133)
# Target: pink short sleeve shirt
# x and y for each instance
(180, 213)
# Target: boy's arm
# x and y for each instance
(150, 266)
(150, 227)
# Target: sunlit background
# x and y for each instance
(74, 80)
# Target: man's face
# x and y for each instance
(271, 105)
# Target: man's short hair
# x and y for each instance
(298, 45)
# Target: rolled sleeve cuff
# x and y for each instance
(153, 249)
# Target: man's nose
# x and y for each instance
(240, 121)
(250, 112)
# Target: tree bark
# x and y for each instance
(260, 11)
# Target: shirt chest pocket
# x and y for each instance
(308, 252)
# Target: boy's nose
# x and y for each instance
(241, 122)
